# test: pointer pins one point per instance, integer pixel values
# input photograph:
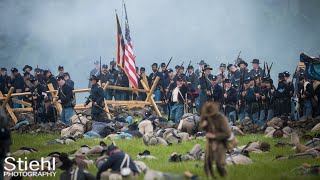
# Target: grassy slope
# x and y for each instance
(263, 168)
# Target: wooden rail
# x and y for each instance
(28, 106)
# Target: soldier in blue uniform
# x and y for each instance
(306, 93)
(234, 74)
(269, 98)
(256, 69)
(216, 92)
(164, 71)
(152, 77)
(282, 97)
(192, 77)
(200, 69)
(105, 77)
(251, 97)
(65, 97)
(95, 71)
(141, 95)
(60, 70)
(221, 74)
(96, 98)
(243, 68)
(112, 80)
(17, 82)
(205, 85)
(169, 85)
(36, 98)
(122, 81)
(68, 80)
(51, 79)
(230, 101)
(291, 93)
(179, 95)
(4, 80)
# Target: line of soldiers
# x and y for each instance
(241, 93)
(36, 84)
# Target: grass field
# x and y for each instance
(264, 167)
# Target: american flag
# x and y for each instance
(120, 45)
(129, 58)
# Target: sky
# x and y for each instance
(75, 33)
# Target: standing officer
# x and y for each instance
(65, 97)
(97, 99)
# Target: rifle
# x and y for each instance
(294, 74)
(88, 98)
(240, 89)
(204, 78)
(168, 62)
(100, 65)
(187, 67)
(264, 69)
(269, 69)
(237, 60)
(223, 92)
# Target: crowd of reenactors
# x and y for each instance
(239, 91)
(36, 83)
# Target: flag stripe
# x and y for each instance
(129, 60)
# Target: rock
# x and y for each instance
(316, 128)
(294, 138)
